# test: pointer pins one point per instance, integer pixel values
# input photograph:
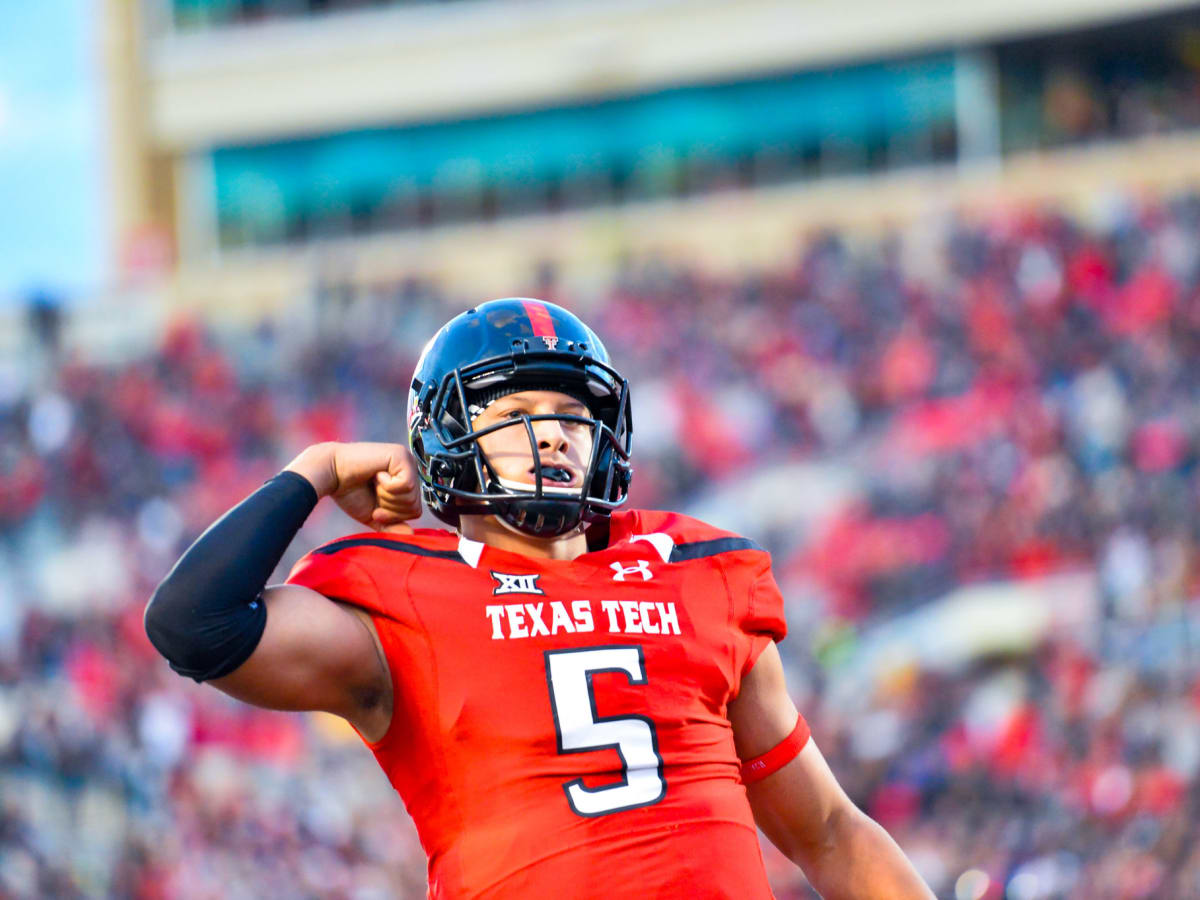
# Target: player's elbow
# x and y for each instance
(202, 639)
(813, 845)
(811, 836)
(157, 619)
(162, 622)
(839, 829)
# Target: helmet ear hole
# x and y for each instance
(446, 474)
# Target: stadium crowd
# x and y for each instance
(1012, 395)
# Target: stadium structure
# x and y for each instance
(258, 140)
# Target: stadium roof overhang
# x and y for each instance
(445, 61)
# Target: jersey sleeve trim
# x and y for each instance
(386, 544)
(700, 549)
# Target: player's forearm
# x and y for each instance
(860, 859)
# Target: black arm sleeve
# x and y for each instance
(206, 617)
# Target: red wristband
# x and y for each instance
(778, 756)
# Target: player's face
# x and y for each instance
(564, 448)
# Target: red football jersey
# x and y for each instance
(559, 727)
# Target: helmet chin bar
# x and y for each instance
(578, 529)
(540, 517)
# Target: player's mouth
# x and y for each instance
(555, 480)
(557, 475)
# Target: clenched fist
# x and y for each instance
(375, 483)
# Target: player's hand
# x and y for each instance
(374, 483)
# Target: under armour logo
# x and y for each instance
(516, 584)
(551, 342)
(642, 568)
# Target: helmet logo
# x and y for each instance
(551, 341)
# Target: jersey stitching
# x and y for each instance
(387, 544)
(451, 797)
(752, 599)
(733, 627)
(377, 745)
(697, 549)
(752, 608)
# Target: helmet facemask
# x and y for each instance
(460, 480)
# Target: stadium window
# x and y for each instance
(296, 227)
(677, 142)
(363, 215)
(553, 195)
(944, 142)
(655, 174)
(489, 204)
(587, 189)
(399, 208)
(908, 148)
(330, 220)
(1112, 81)
(875, 149)
(747, 170)
(839, 156)
(618, 183)
(807, 160)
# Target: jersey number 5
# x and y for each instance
(579, 729)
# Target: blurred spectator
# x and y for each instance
(1027, 408)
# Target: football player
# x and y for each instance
(573, 700)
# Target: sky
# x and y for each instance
(52, 165)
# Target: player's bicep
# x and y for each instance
(314, 654)
(763, 713)
(795, 805)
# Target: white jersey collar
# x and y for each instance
(470, 551)
(661, 542)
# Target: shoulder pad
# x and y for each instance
(688, 538)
